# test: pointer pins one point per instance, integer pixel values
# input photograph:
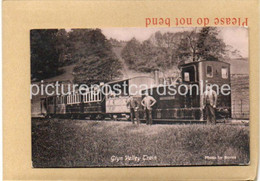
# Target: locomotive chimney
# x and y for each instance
(156, 76)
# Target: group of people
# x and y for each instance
(209, 106)
(147, 102)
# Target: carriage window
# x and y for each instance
(59, 100)
(91, 96)
(51, 101)
(88, 97)
(73, 99)
(79, 98)
(224, 72)
(98, 97)
(209, 71)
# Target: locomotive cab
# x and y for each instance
(215, 73)
(187, 103)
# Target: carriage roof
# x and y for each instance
(132, 78)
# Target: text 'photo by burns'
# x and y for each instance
(120, 97)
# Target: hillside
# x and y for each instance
(67, 75)
(239, 66)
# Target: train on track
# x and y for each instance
(187, 105)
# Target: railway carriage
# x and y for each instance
(116, 104)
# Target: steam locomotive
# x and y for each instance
(186, 104)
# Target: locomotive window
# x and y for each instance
(224, 72)
(209, 71)
(188, 74)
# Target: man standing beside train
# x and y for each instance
(209, 103)
(148, 102)
(134, 106)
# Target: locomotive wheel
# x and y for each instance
(128, 117)
(92, 117)
(114, 117)
(99, 116)
(78, 116)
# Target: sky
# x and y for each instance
(237, 37)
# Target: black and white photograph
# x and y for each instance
(139, 97)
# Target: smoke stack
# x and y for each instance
(156, 77)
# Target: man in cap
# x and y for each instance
(134, 108)
(209, 104)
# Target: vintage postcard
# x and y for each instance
(139, 97)
(130, 90)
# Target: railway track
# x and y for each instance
(186, 121)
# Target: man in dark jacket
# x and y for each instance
(134, 108)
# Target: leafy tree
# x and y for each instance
(202, 45)
(154, 53)
(44, 54)
(163, 51)
(131, 53)
(63, 46)
(96, 62)
(209, 46)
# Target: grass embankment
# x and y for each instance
(78, 143)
